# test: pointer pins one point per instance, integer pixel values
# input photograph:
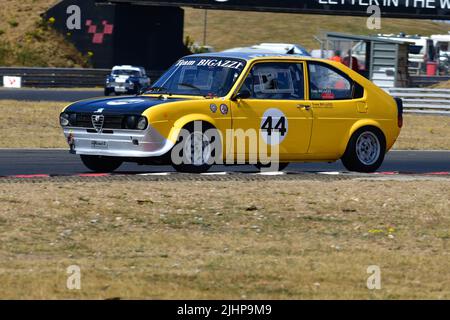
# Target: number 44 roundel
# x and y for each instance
(274, 126)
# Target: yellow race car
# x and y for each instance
(231, 108)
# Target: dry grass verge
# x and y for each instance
(228, 29)
(271, 240)
(31, 124)
(441, 85)
(27, 40)
(422, 132)
(35, 125)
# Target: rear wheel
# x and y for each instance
(365, 150)
(100, 163)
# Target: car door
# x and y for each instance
(273, 107)
(337, 102)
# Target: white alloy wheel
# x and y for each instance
(197, 149)
(368, 148)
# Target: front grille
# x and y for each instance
(84, 120)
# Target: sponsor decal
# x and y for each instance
(223, 108)
(222, 63)
(213, 107)
(327, 95)
(274, 126)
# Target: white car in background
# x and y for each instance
(126, 80)
(275, 48)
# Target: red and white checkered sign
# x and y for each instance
(12, 82)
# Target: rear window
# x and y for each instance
(327, 83)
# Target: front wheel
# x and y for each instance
(365, 150)
(100, 163)
(195, 149)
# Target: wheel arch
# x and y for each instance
(186, 120)
(358, 125)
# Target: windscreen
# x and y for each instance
(204, 76)
(124, 72)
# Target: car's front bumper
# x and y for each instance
(120, 143)
(120, 86)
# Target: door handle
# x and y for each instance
(304, 106)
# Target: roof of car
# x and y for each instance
(246, 55)
(127, 67)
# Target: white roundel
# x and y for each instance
(124, 101)
(274, 126)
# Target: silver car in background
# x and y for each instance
(126, 79)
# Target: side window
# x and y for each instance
(284, 81)
(327, 84)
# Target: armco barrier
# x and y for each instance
(424, 81)
(423, 100)
(62, 77)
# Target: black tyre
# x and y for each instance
(101, 164)
(365, 150)
(107, 92)
(195, 149)
(281, 166)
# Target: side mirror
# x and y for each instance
(244, 94)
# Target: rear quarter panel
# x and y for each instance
(381, 110)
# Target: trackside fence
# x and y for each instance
(423, 100)
(61, 77)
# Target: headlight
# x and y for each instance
(72, 119)
(130, 122)
(64, 119)
(135, 122)
(142, 123)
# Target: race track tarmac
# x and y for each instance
(60, 162)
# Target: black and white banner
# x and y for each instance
(418, 9)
